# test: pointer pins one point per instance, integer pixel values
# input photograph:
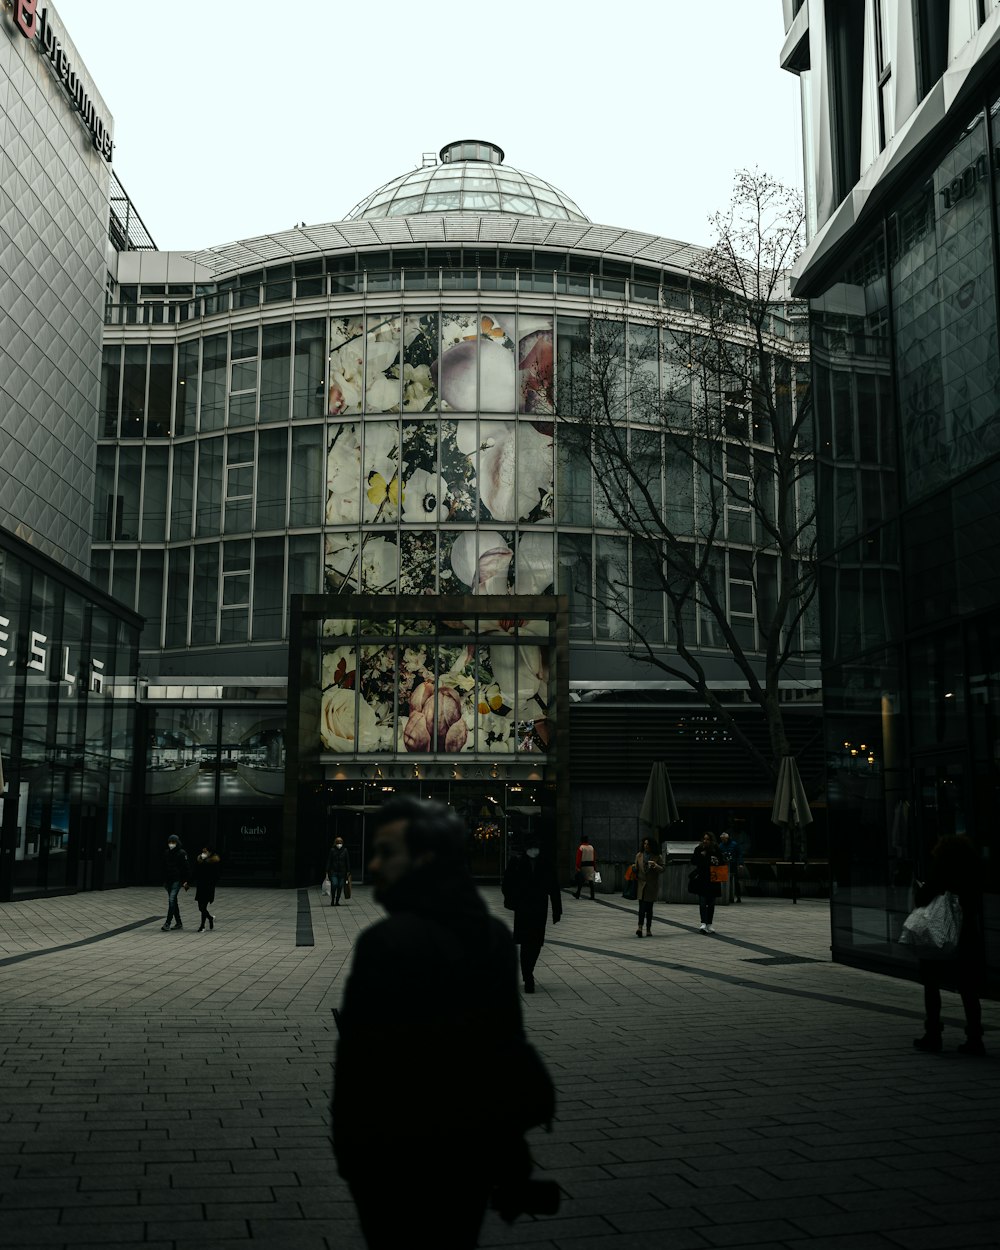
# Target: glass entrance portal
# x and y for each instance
(496, 815)
(462, 699)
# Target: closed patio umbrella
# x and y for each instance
(791, 807)
(659, 807)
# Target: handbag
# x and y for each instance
(325, 887)
(719, 873)
(597, 876)
(347, 886)
(693, 886)
(932, 932)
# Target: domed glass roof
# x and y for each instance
(470, 179)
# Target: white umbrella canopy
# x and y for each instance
(659, 807)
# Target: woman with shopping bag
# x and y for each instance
(648, 868)
(706, 878)
(954, 881)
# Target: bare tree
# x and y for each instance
(698, 437)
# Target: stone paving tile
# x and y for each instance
(161, 1090)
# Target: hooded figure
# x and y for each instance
(530, 887)
(434, 1082)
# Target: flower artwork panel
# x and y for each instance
(497, 363)
(341, 562)
(494, 727)
(346, 365)
(455, 372)
(382, 365)
(378, 564)
(486, 694)
(420, 352)
(381, 501)
(535, 478)
(534, 567)
(459, 465)
(377, 692)
(345, 721)
(425, 490)
(535, 366)
(343, 474)
(418, 562)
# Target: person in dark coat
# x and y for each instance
(206, 878)
(176, 873)
(706, 857)
(530, 887)
(956, 867)
(733, 853)
(338, 869)
(427, 1117)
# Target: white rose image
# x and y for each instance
(337, 721)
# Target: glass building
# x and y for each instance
(67, 652)
(902, 126)
(370, 409)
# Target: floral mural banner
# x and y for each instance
(487, 693)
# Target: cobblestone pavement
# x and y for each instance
(170, 1090)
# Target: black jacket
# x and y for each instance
(430, 1010)
(530, 887)
(704, 858)
(176, 866)
(338, 861)
(206, 878)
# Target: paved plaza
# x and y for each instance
(169, 1090)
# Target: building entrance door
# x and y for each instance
(494, 813)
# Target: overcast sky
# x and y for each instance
(231, 121)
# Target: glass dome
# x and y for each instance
(471, 178)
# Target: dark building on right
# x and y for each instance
(901, 129)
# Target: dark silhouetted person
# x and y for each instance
(530, 887)
(338, 869)
(956, 867)
(586, 866)
(706, 857)
(433, 1088)
(648, 867)
(206, 878)
(733, 853)
(176, 874)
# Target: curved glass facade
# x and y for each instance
(410, 447)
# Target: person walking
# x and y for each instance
(338, 869)
(435, 1083)
(586, 866)
(957, 868)
(206, 878)
(706, 857)
(176, 872)
(530, 887)
(733, 853)
(648, 867)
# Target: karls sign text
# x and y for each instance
(33, 24)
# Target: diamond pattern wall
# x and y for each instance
(53, 227)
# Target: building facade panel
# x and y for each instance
(903, 282)
(54, 224)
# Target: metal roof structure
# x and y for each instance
(445, 228)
